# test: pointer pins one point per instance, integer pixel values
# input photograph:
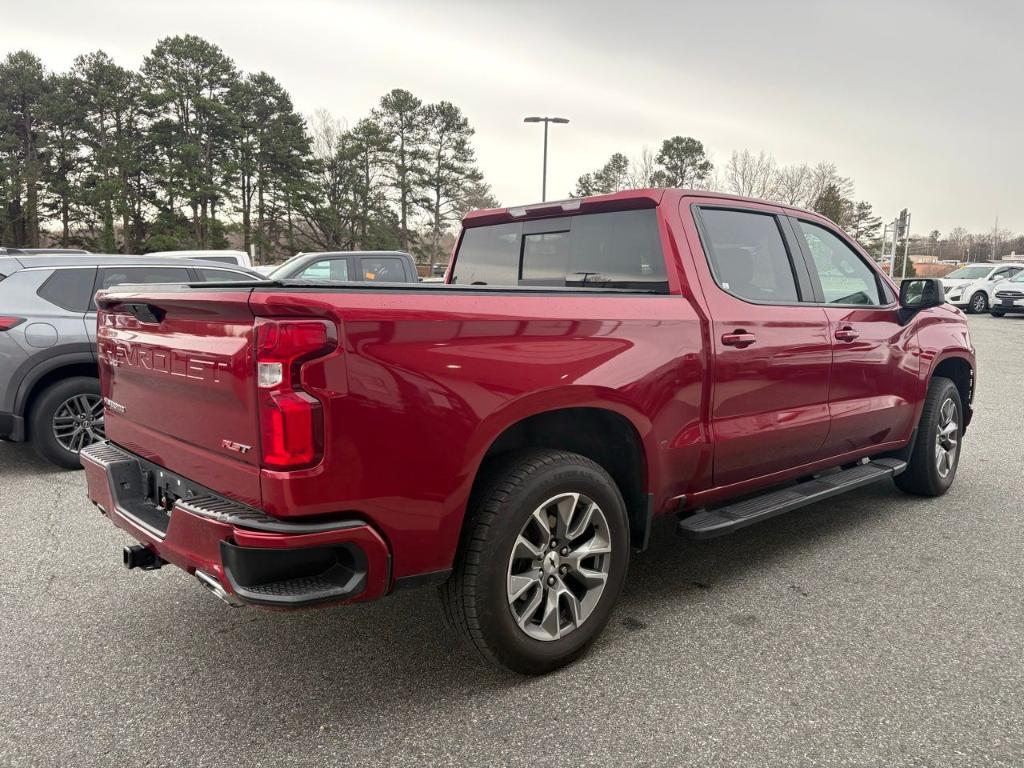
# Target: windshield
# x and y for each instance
(1018, 278)
(969, 273)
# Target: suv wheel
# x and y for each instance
(67, 417)
(542, 561)
(936, 452)
(979, 303)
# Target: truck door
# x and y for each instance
(874, 362)
(772, 349)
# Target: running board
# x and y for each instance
(710, 523)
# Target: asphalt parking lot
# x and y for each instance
(876, 630)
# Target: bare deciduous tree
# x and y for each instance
(751, 175)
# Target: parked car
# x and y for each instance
(510, 435)
(238, 258)
(972, 287)
(49, 392)
(357, 266)
(1009, 296)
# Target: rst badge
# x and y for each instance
(231, 445)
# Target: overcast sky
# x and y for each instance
(921, 103)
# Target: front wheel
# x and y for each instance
(542, 561)
(978, 304)
(997, 314)
(936, 453)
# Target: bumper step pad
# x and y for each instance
(710, 523)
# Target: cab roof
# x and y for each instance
(629, 199)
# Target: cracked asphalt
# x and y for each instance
(872, 630)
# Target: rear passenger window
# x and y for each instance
(621, 249)
(748, 256)
(845, 278)
(383, 269)
(69, 289)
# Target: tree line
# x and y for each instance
(190, 152)
(682, 161)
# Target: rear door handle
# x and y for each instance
(847, 334)
(738, 338)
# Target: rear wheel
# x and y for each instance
(979, 303)
(936, 454)
(67, 417)
(542, 562)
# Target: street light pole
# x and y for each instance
(544, 171)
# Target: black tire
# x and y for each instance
(922, 476)
(978, 304)
(475, 599)
(43, 411)
(997, 314)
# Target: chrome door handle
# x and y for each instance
(847, 334)
(738, 338)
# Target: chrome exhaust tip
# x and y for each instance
(214, 586)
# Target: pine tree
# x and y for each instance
(613, 176)
(268, 158)
(449, 168)
(401, 117)
(683, 163)
(114, 119)
(22, 90)
(864, 226)
(834, 205)
(63, 161)
(189, 79)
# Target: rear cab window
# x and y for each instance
(618, 249)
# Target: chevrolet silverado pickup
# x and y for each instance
(509, 435)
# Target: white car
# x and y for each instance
(973, 287)
(1009, 296)
(240, 258)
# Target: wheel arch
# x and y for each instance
(597, 430)
(49, 372)
(960, 370)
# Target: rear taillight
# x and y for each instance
(7, 322)
(291, 419)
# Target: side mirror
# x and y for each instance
(917, 293)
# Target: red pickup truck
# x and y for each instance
(508, 436)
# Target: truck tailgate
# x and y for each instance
(177, 372)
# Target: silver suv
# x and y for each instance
(49, 391)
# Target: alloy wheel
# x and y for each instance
(78, 422)
(947, 437)
(559, 566)
(979, 303)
